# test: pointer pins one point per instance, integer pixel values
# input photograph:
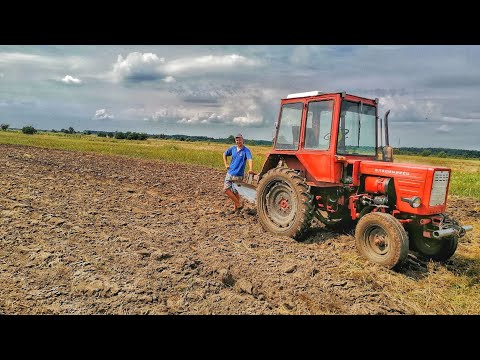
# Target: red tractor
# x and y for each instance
(328, 161)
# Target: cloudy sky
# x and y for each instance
(433, 91)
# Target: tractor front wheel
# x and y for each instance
(381, 239)
(284, 203)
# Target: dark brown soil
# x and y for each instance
(91, 234)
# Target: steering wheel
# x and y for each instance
(327, 135)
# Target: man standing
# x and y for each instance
(240, 155)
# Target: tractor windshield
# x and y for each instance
(356, 133)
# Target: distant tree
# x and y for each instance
(425, 153)
(110, 134)
(29, 130)
(119, 135)
(131, 135)
(4, 126)
(102, 134)
(442, 154)
(231, 139)
(71, 130)
(87, 132)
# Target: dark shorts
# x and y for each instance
(227, 184)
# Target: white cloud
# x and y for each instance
(248, 120)
(250, 107)
(71, 80)
(169, 79)
(207, 63)
(444, 128)
(43, 61)
(405, 108)
(459, 120)
(137, 66)
(14, 57)
(102, 114)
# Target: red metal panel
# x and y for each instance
(317, 165)
(376, 185)
(409, 180)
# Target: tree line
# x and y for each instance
(438, 152)
(129, 135)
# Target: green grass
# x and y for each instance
(465, 173)
(202, 153)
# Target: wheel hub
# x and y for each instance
(378, 241)
(283, 204)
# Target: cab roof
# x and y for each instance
(318, 92)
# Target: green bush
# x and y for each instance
(4, 126)
(29, 130)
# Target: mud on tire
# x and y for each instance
(381, 239)
(284, 203)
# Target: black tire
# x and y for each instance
(436, 249)
(344, 223)
(381, 239)
(284, 203)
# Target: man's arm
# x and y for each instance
(225, 161)
(250, 165)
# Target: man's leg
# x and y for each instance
(240, 201)
(234, 198)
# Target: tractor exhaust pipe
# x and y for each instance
(387, 150)
(451, 231)
(443, 233)
(387, 143)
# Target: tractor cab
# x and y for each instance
(318, 133)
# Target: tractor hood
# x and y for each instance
(428, 182)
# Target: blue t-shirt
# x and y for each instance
(239, 159)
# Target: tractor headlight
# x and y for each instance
(414, 201)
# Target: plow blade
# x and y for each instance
(247, 191)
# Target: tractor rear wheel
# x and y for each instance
(436, 249)
(284, 203)
(382, 239)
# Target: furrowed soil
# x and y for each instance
(93, 234)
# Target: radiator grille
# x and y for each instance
(439, 188)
